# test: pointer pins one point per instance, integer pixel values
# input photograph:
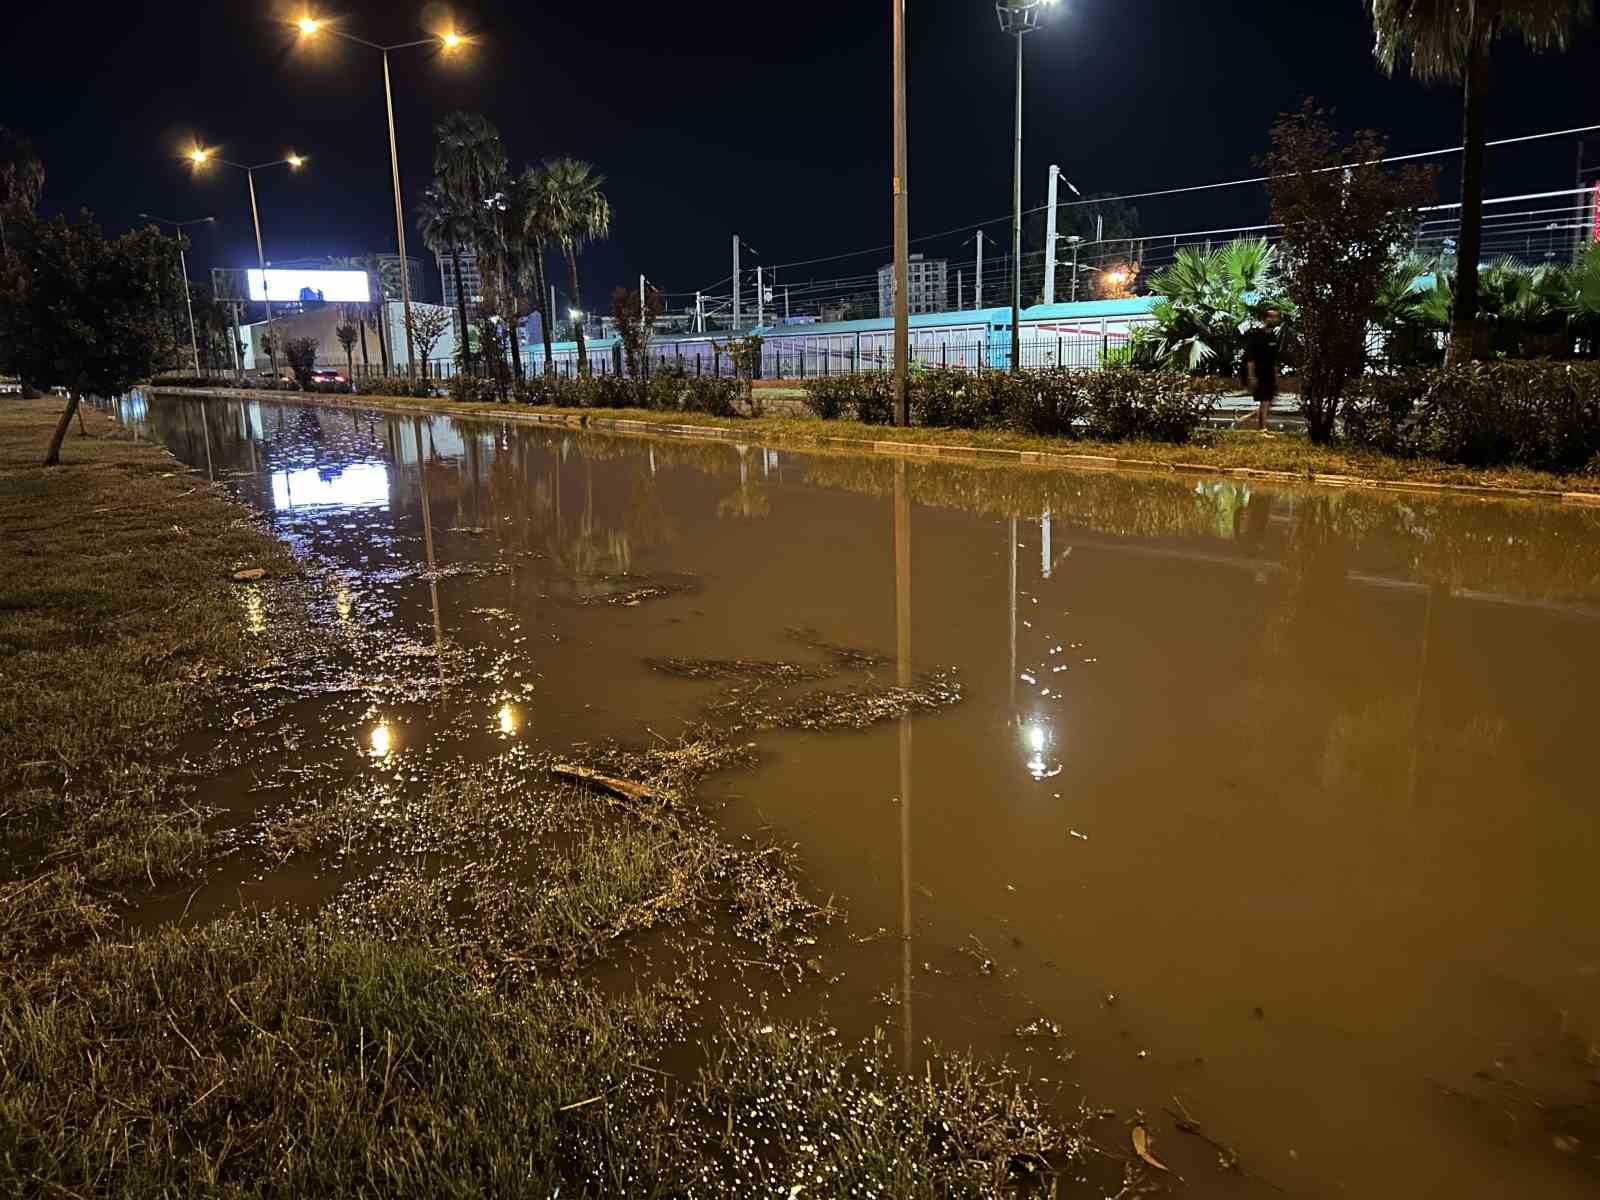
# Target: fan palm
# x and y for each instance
(447, 226)
(538, 209)
(1450, 40)
(581, 215)
(1205, 300)
(1583, 299)
(21, 177)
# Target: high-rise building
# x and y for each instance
(388, 265)
(471, 283)
(926, 290)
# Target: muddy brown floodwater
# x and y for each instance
(1278, 806)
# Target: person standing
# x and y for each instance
(1260, 366)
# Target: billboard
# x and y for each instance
(291, 287)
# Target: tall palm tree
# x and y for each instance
(581, 215)
(21, 178)
(447, 226)
(363, 315)
(1450, 40)
(469, 161)
(538, 210)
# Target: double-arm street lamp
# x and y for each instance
(1018, 17)
(448, 41)
(183, 265)
(202, 158)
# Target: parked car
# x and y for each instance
(327, 375)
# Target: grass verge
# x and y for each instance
(1221, 450)
(115, 609)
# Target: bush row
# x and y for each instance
(666, 392)
(1544, 415)
(1115, 404)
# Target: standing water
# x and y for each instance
(1268, 814)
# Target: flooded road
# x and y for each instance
(1278, 806)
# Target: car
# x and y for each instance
(327, 375)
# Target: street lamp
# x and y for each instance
(202, 157)
(183, 265)
(1018, 17)
(449, 41)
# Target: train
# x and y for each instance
(1077, 336)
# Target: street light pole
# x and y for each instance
(261, 261)
(183, 266)
(1018, 18)
(448, 41)
(399, 230)
(902, 205)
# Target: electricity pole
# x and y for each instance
(902, 299)
(1050, 237)
(736, 283)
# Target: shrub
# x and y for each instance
(1161, 406)
(394, 385)
(828, 396)
(1543, 415)
(708, 394)
(302, 356)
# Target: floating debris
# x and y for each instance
(738, 668)
(845, 656)
(851, 708)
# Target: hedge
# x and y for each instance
(1114, 404)
(1544, 415)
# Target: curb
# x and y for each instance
(1029, 458)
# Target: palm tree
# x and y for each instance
(1450, 40)
(469, 161)
(21, 178)
(538, 210)
(1206, 299)
(581, 215)
(447, 226)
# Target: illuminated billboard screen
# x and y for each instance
(289, 287)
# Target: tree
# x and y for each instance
(447, 226)
(1450, 40)
(347, 333)
(81, 312)
(1346, 220)
(21, 180)
(581, 214)
(633, 329)
(539, 212)
(302, 356)
(427, 327)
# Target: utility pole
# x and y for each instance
(978, 302)
(761, 298)
(1016, 229)
(1076, 242)
(902, 287)
(644, 334)
(736, 283)
(785, 304)
(699, 313)
(1050, 238)
(960, 291)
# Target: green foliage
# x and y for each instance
(1110, 405)
(83, 312)
(1206, 301)
(302, 356)
(632, 328)
(1531, 414)
(394, 385)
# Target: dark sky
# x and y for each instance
(767, 120)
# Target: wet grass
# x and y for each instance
(116, 609)
(260, 1057)
(841, 708)
(737, 668)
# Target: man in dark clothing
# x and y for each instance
(1260, 367)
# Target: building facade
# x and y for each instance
(926, 290)
(471, 284)
(389, 273)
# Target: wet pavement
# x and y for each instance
(1267, 814)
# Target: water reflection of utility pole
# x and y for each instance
(902, 623)
(1423, 706)
(1044, 543)
(1011, 603)
(205, 432)
(427, 544)
(249, 435)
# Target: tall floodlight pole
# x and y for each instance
(201, 158)
(183, 266)
(448, 41)
(1018, 17)
(902, 220)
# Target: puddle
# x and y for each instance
(1265, 814)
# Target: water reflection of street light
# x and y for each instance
(1038, 742)
(381, 739)
(508, 719)
(310, 26)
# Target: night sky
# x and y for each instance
(772, 121)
